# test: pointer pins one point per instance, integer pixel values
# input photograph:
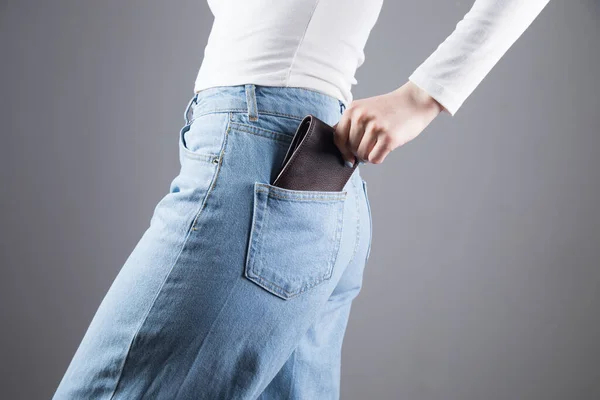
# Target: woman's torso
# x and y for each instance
(314, 44)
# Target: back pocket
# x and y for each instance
(294, 239)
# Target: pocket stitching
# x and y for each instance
(300, 195)
(199, 156)
(252, 269)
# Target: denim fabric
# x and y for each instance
(237, 289)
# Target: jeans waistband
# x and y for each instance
(295, 102)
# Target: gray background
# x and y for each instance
(483, 281)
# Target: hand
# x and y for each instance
(370, 128)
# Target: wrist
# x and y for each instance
(421, 98)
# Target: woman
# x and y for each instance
(240, 289)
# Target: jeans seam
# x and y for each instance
(293, 373)
(370, 216)
(147, 313)
(188, 233)
(356, 240)
(245, 111)
(306, 198)
(208, 333)
(214, 179)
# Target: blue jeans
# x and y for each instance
(237, 289)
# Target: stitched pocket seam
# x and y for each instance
(268, 273)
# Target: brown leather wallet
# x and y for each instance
(313, 161)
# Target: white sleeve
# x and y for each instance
(453, 71)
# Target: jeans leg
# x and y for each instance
(313, 369)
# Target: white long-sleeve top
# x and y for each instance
(319, 44)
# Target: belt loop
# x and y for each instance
(251, 101)
(186, 114)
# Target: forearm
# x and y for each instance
(453, 71)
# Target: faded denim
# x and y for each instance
(237, 289)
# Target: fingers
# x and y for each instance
(379, 151)
(340, 138)
(352, 139)
(355, 134)
(361, 138)
(367, 143)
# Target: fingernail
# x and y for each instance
(349, 164)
